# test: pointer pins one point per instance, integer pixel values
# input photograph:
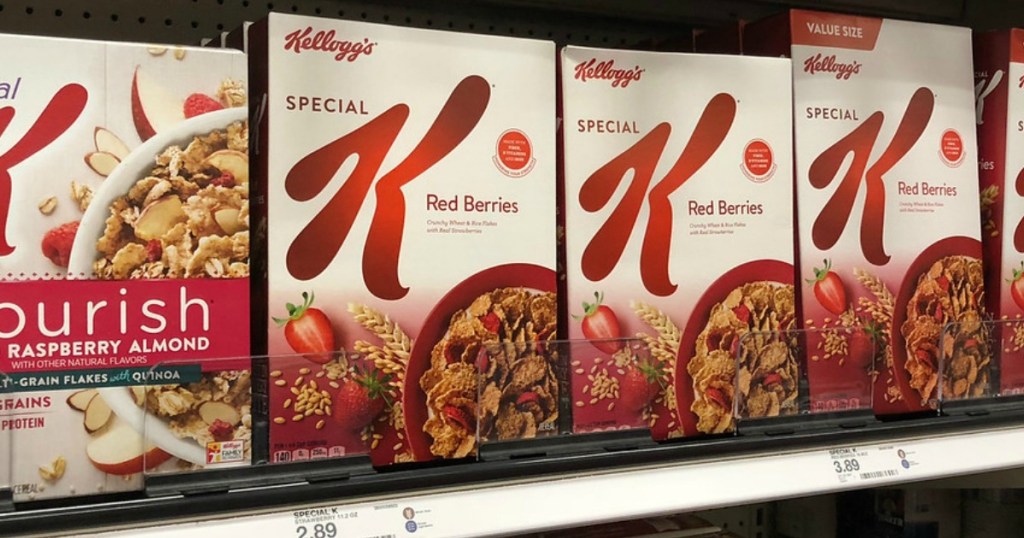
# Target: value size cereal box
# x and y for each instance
(998, 73)
(123, 251)
(410, 186)
(679, 231)
(887, 197)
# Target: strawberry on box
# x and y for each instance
(123, 263)
(692, 263)
(412, 190)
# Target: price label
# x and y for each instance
(865, 464)
(384, 520)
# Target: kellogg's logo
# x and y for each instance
(606, 71)
(828, 64)
(321, 41)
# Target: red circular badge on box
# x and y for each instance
(758, 161)
(514, 153)
(952, 147)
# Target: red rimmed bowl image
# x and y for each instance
(414, 399)
(951, 246)
(755, 271)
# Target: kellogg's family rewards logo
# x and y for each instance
(606, 70)
(325, 41)
(820, 63)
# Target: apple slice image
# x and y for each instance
(153, 107)
(97, 415)
(101, 162)
(119, 450)
(79, 401)
(109, 142)
(228, 160)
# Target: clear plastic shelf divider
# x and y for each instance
(193, 415)
(522, 390)
(816, 373)
(623, 384)
(8, 422)
(977, 363)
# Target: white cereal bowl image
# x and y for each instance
(137, 165)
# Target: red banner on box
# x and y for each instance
(53, 325)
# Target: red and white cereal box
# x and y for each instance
(679, 232)
(887, 197)
(999, 94)
(123, 251)
(410, 188)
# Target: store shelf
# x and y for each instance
(570, 500)
(556, 490)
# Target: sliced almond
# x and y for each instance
(157, 51)
(214, 411)
(179, 53)
(97, 414)
(138, 394)
(109, 142)
(102, 162)
(48, 205)
(228, 221)
(80, 400)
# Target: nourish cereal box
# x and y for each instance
(409, 178)
(998, 76)
(678, 207)
(887, 198)
(124, 253)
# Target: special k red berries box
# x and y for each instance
(887, 197)
(124, 251)
(409, 178)
(999, 93)
(679, 235)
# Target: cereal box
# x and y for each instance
(887, 197)
(998, 76)
(679, 227)
(123, 252)
(410, 186)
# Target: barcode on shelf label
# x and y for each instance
(878, 474)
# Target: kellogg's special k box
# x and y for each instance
(124, 251)
(887, 197)
(679, 234)
(409, 178)
(998, 76)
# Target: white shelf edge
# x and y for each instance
(571, 501)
